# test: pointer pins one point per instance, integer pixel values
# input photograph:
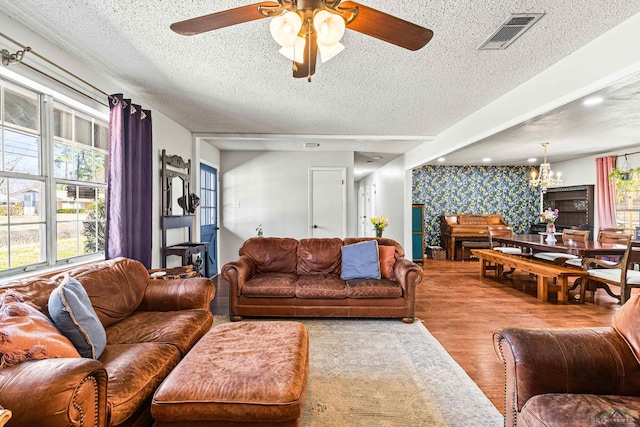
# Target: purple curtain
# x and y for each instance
(129, 197)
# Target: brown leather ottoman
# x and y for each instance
(238, 374)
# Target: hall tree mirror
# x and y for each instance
(175, 184)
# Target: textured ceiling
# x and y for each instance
(373, 95)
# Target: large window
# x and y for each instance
(52, 180)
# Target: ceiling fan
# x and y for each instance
(304, 28)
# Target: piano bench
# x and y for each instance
(467, 246)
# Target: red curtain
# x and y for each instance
(605, 192)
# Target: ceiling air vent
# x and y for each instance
(510, 30)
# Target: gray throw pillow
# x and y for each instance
(74, 316)
(360, 261)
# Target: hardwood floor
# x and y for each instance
(462, 311)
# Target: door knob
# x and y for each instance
(315, 226)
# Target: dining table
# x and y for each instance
(532, 243)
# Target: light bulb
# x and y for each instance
(285, 29)
(329, 26)
(295, 52)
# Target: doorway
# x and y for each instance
(328, 202)
(209, 214)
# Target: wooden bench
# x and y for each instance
(544, 271)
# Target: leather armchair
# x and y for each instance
(571, 376)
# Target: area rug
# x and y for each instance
(387, 373)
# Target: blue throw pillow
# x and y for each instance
(74, 316)
(360, 261)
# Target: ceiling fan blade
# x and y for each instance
(308, 68)
(386, 27)
(222, 19)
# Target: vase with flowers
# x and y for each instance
(379, 224)
(549, 218)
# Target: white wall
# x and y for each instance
(390, 199)
(271, 188)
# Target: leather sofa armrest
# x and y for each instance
(584, 360)
(238, 272)
(177, 294)
(408, 274)
(55, 392)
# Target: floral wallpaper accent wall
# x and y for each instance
(475, 190)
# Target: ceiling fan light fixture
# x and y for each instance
(295, 52)
(285, 28)
(328, 52)
(329, 27)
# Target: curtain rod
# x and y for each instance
(6, 57)
(628, 154)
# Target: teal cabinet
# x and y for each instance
(417, 232)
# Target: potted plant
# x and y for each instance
(625, 179)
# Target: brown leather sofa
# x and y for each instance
(150, 325)
(289, 277)
(580, 376)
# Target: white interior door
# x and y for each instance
(362, 218)
(328, 200)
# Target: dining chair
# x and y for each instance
(567, 235)
(601, 274)
(502, 231)
(605, 236)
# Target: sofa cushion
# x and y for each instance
(329, 286)
(271, 285)
(272, 254)
(71, 311)
(626, 321)
(566, 409)
(319, 256)
(135, 371)
(382, 241)
(27, 334)
(371, 288)
(181, 328)
(115, 287)
(387, 259)
(360, 261)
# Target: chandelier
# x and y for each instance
(544, 178)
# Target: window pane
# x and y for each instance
(67, 240)
(84, 165)
(88, 238)
(21, 152)
(21, 108)
(67, 204)
(4, 201)
(83, 131)
(63, 164)
(26, 245)
(100, 168)
(4, 248)
(100, 136)
(25, 201)
(62, 122)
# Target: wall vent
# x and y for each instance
(510, 30)
(311, 144)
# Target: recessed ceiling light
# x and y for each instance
(593, 100)
(377, 157)
(441, 159)
(531, 160)
(486, 160)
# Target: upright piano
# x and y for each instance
(457, 228)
